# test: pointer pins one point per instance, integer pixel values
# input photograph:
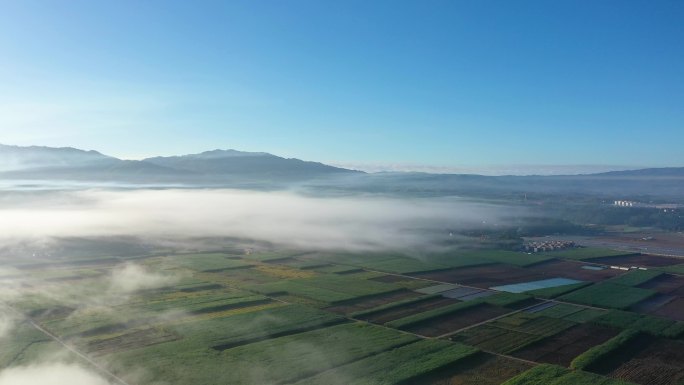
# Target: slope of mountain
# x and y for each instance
(211, 167)
(232, 162)
(18, 158)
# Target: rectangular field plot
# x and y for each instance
(536, 285)
(561, 348)
(274, 361)
(659, 362)
(480, 369)
(640, 260)
(673, 309)
(463, 315)
(582, 253)
(547, 374)
(208, 262)
(227, 332)
(391, 312)
(506, 335)
(666, 284)
(365, 303)
(398, 366)
(484, 276)
(608, 295)
(574, 270)
(568, 312)
(329, 288)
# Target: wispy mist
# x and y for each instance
(50, 374)
(358, 222)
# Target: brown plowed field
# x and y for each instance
(452, 322)
(407, 310)
(562, 348)
(484, 276)
(642, 260)
(660, 363)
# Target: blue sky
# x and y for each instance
(396, 83)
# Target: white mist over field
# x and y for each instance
(50, 374)
(354, 222)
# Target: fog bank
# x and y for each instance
(358, 222)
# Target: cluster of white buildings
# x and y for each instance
(660, 206)
(539, 246)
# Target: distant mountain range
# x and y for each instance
(231, 168)
(36, 162)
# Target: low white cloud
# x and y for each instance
(130, 278)
(6, 324)
(358, 222)
(51, 374)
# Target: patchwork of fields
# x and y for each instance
(301, 317)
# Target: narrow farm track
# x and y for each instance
(67, 346)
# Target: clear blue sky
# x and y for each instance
(449, 83)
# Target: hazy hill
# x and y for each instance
(18, 158)
(231, 168)
(213, 167)
(232, 162)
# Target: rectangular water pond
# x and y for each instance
(534, 285)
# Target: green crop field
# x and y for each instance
(269, 317)
(328, 288)
(556, 375)
(207, 262)
(657, 326)
(608, 295)
(395, 366)
(635, 277)
(553, 292)
(584, 253)
(277, 360)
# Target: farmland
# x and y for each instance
(303, 317)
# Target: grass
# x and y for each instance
(553, 292)
(583, 253)
(560, 310)
(608, 295)
(585, 315)
(555, 375)
(653, 325)
(396, 366)
(674, 269)
(273, 361)
(207, 262)
(393, 305)
(329, 288)
(635, 277)
(506, 299)
(512, 257)
(592, 357)
(427, 315)
(533, 324)
(242, 328)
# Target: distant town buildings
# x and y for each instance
(662, 206)
(550, 245)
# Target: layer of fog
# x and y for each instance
(51, 374)
(358, 222)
